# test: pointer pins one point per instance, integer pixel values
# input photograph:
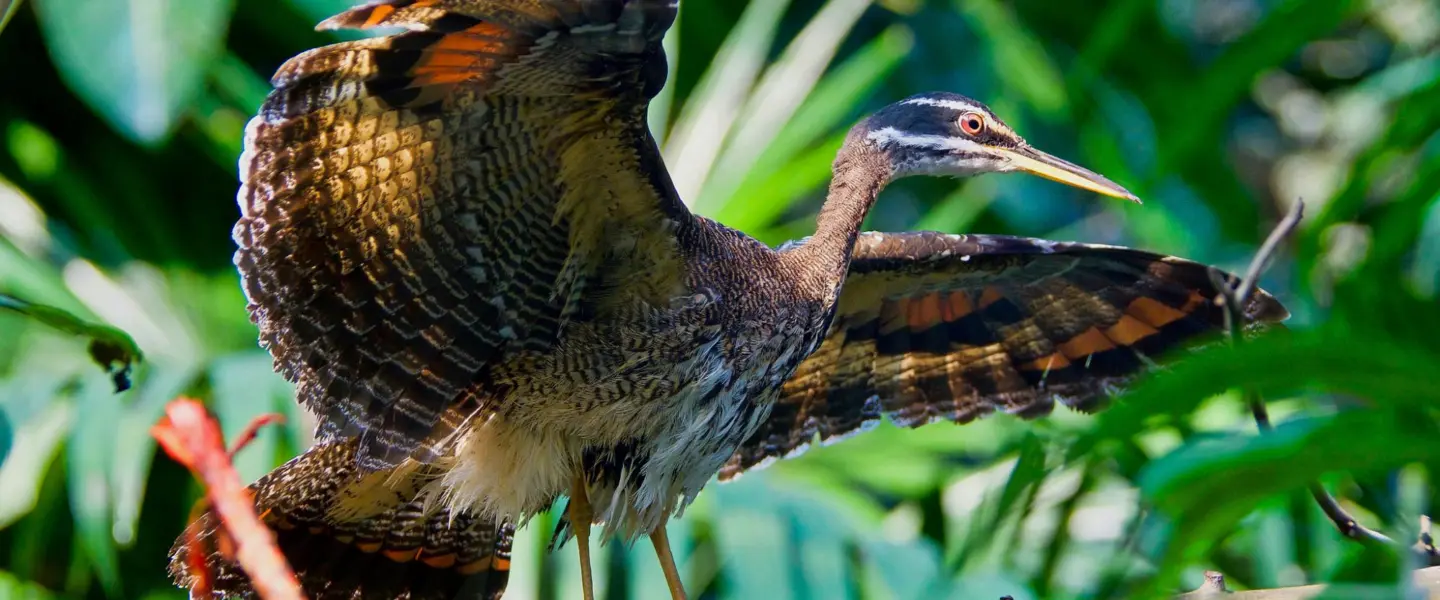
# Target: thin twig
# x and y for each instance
(1233, 296)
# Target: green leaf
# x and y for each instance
(14, 588)
(245, 387)
(134, 449)
(41, 423)
(711, 110)
(1366, 364)
(138, 63)
(1020, 59)
(110, 348)
(798, 160)
(1203, 489)
(780, 93)
(8, 8)
(90, 459)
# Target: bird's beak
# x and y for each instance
(1039, 163)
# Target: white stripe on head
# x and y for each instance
(891, 136)
(956, 105)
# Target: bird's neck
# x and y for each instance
(860, 172)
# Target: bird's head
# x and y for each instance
(946, 134)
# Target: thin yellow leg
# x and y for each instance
(580, 517)
(667, 562)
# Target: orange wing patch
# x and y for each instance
(990, 296)
(443, 561)
(925, 312)
(957, 307)
(1155, 313)
(1046, 363)
(1129, 330)
(1085, 344)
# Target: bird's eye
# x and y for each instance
(972, 123)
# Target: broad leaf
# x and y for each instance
(1202, 490)
(138, 63)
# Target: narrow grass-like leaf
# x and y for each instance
(134, 449)
(1020, 59)
(243, 390)
(780, 92)
(37, 439)
(8, 8)
(756, 205)
(1025, 478)
(91, 483)
(798, 159)
(712, 108)
(137, 63)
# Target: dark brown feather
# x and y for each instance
(934, 327)
(395, 550)
(420, 207)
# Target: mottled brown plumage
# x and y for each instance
(461, 244)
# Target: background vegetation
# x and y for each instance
(120, 125)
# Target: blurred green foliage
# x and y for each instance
(120, 126)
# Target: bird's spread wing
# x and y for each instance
(417, 208)
(934, 327)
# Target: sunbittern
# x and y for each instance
(461, 243)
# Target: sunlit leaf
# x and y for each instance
(138, 63)
(8, 8)
(246, 387)
(14, 588)
(709, 114)
(778, 94)
(798, 159)
(134, 449)
(40, 430)
(91, 483)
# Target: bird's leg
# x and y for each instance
(580, 517)
(667, 562)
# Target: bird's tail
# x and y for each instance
(359, 536)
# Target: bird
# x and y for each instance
(459, 240)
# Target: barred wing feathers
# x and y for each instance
(420, 207)
(934, 327)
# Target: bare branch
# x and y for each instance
(1233, 296)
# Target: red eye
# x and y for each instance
(972, 123)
